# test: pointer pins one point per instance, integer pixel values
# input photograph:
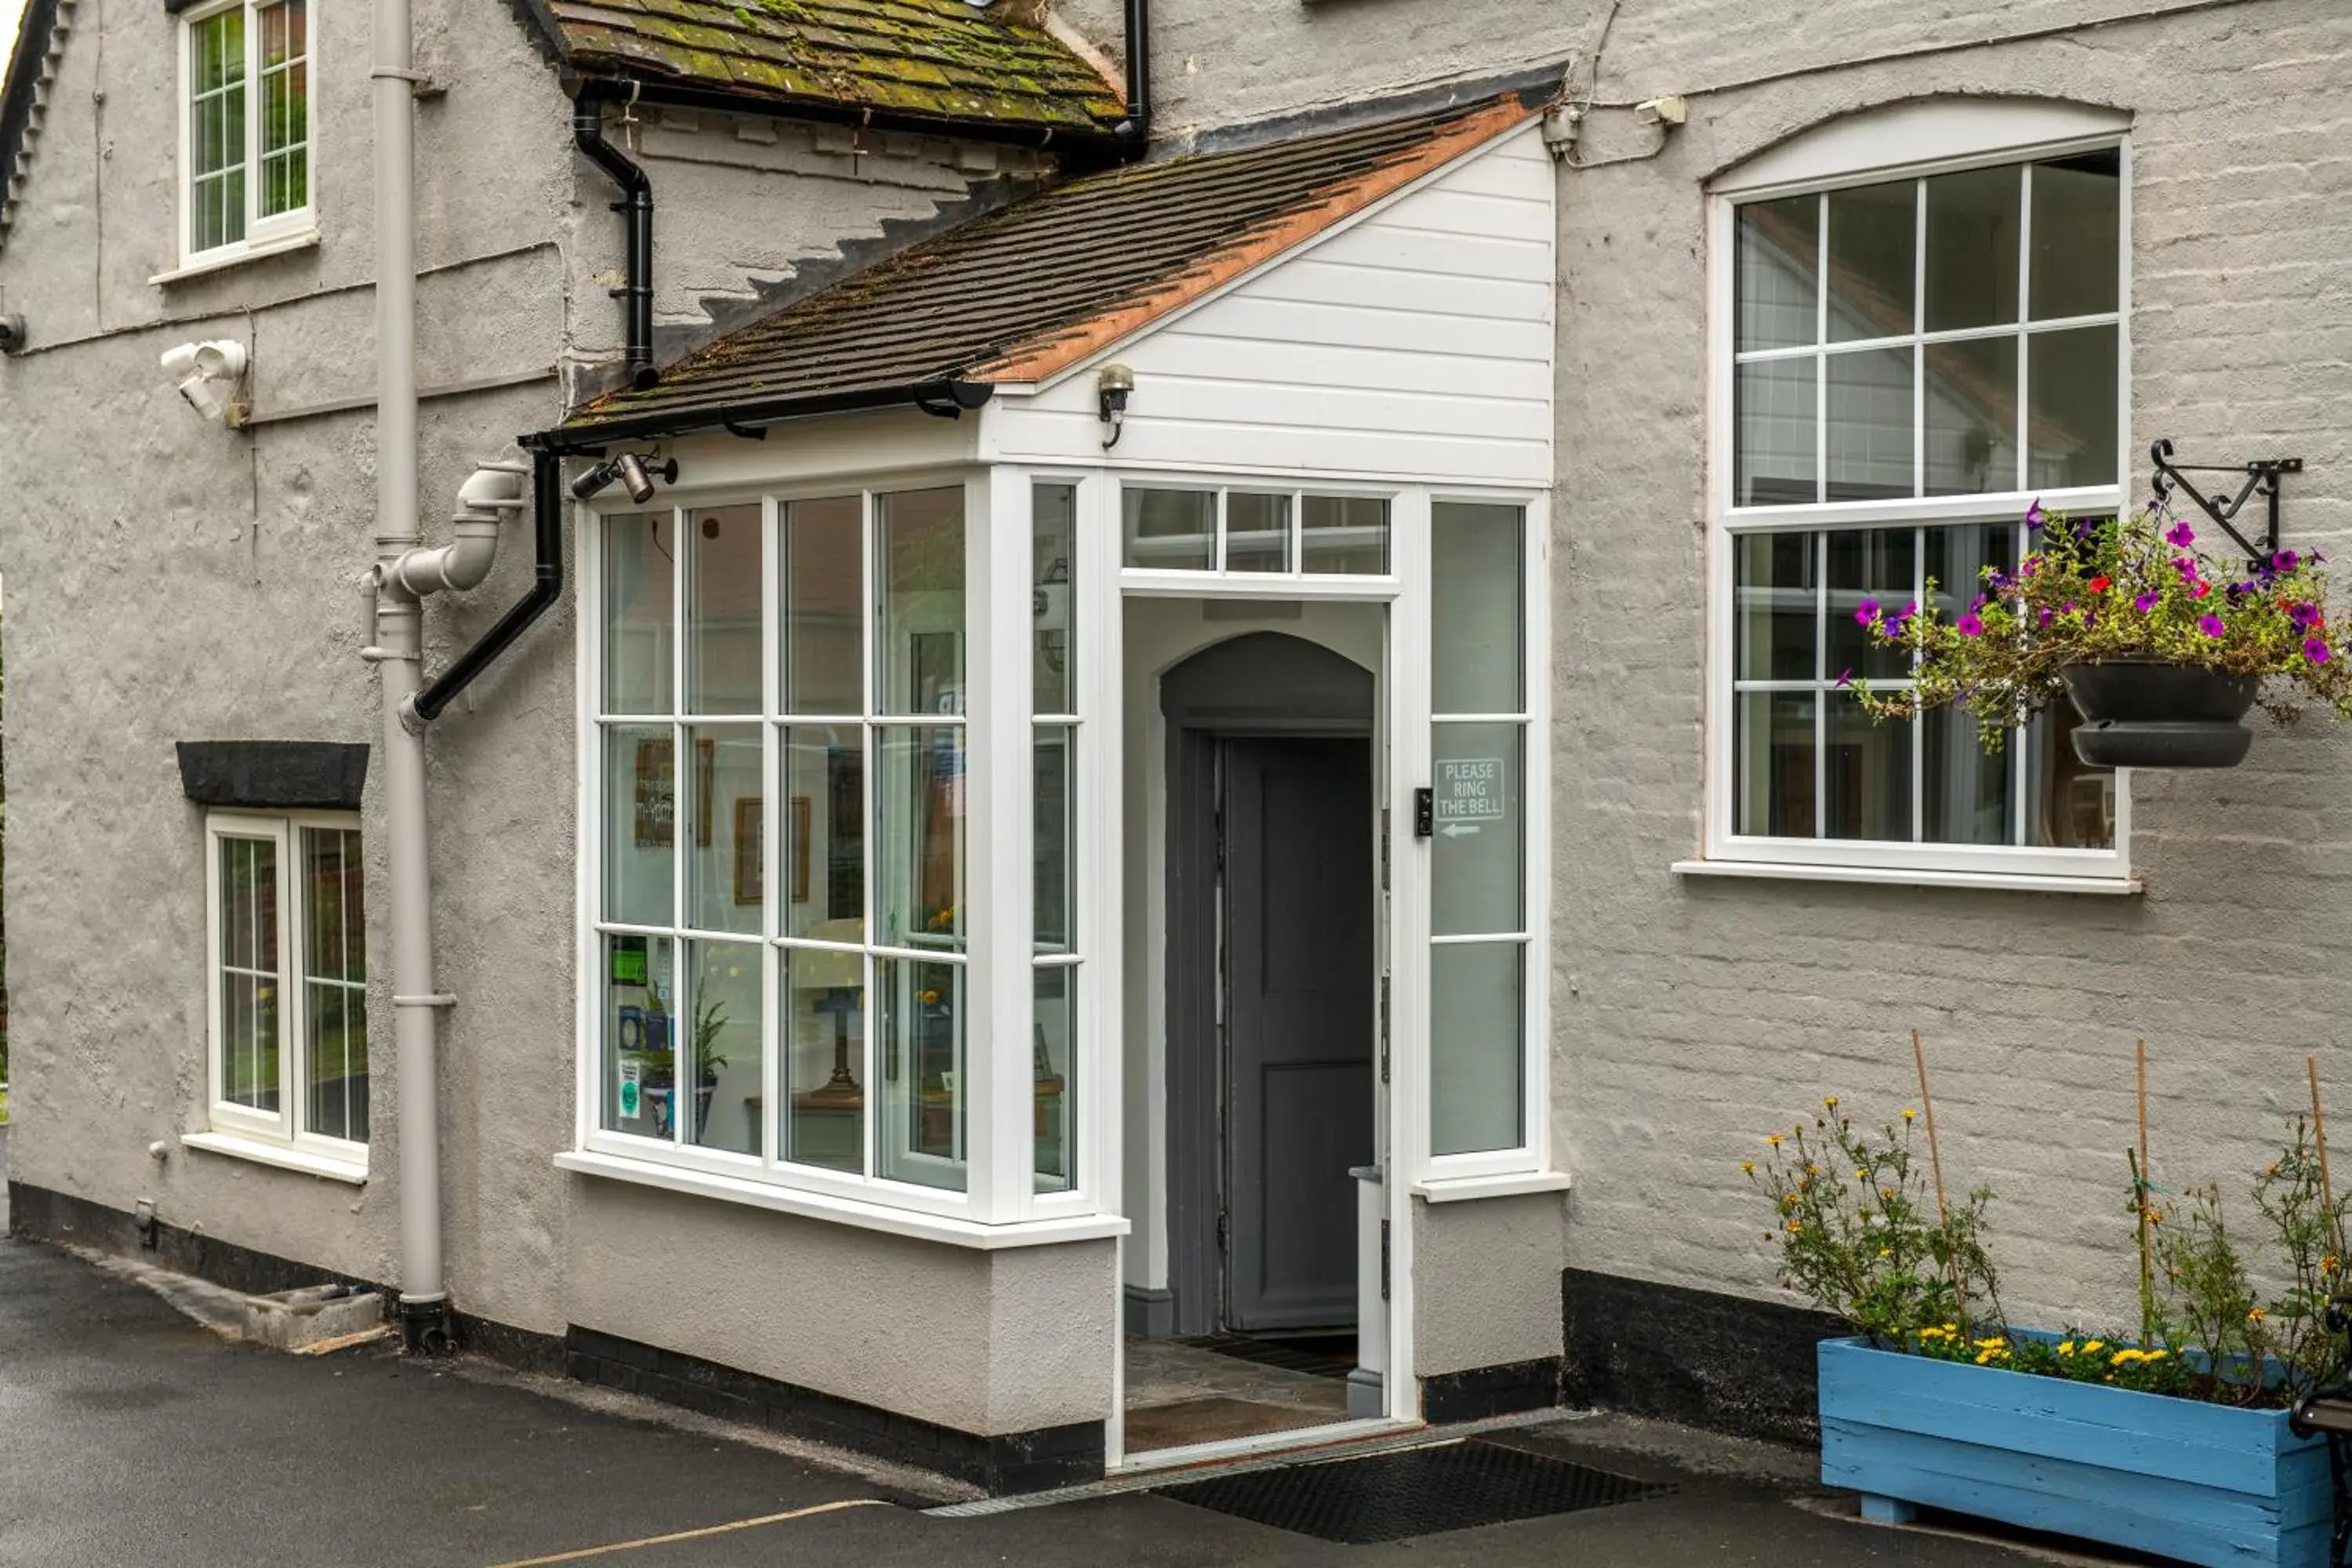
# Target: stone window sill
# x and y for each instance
(306, 240)
(285, 1156)
(1911, 876)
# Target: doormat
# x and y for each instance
(1413, 1491)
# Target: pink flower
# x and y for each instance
(2181, 536)
(2211, 625)
(1968, 626)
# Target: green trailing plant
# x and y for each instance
(2101, 590)
(1861, 1232)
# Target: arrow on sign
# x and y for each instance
(1456, 829)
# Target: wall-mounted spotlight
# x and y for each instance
(1113, 382)
(634, 472)
(208, 374)
(11, 333)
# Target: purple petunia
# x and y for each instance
(2306, 615)
(1967, 626)
(2211, 625)
(2146, 602)
(2315, 650)
(2045, 615)
(2187, 566)
(1844, 680)
(2033, 514)
(2285, 560)
(2238, 591)
(2181, 536)
(1866, 613)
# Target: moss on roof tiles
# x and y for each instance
(940, 58)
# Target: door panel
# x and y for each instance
(1300, 1026)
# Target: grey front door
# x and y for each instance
(1299, 1027)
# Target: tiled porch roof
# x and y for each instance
(940, 59)
(1020, 294)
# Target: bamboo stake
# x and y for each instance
(1927, 1106)
(2139, 1208)
(2319, 1135)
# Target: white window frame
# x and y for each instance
(263, 236)
(997, 1207)
(279, 1137)
(1908, 143)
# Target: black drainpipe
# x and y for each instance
(546, 587)
(637, 201)
(1135, 129)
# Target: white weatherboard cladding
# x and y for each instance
(1414, 341)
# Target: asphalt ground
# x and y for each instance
(129, 1435)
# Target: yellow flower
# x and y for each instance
(1885, 1252)
(1951, 1328)
(2154, 1355)
(1773, 1139)
(1886, 1195)
(2328, 1263)
(1813, 1170)
(2066, 1347)
(1830, 1101)
(2255, 1316)
(1862, 1177)
(1909, 1114)
(1989, 1345)
(1796, 1227)
(2094, 1347)
(1748, 1167)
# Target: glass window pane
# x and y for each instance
(1971, 388)
(1778, 249)
(1053, 1130)
(1053, 542)
(1170, 531)
(640, 823)
(923, 1071)
(1344, 536)
(334, 971)
(2069, 806)
(1774, 594)
(1258, 531)
(921, 535)
(638, 556)
(1868, 565)
(1959, 557)
(918, 808)
(2076, 220)
(825, 606)
(1477, 1014)
(1773, 745)
(2070, 408)
(1972, 248)
(1056, 786)
(249, 972)
(824, 1058)
(1966, 793)
(824, 868)
(640, 1077)
(1775, 460)
(722, 1046)
(1477, 611)
(723, 812)
(275, 42)
(722, 610)
(1479, 852)
(1866, 764)
(1869, 425)
(1873, 241)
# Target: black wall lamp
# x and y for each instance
(632, 470)
(1113, 384)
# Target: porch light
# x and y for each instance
(1113, 382)
(631, 471)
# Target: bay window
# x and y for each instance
(1907, 361)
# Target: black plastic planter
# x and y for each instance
(2151, 713)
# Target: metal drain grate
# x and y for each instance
(1415, 1491)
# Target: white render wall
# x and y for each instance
(1414, 341)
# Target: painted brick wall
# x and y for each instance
(1693, 1018)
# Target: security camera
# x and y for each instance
(204, 371)
(632, 470)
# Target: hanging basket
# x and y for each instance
(2152, 713)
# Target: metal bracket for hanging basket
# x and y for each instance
(2262, 478)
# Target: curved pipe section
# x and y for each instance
(492, 495)
(636, 292)
(547, 586)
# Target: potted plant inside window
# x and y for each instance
(2161, 648)
(657, 1066)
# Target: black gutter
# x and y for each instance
(637, 201)
(547, 586)
(943, 397)
(671, 94)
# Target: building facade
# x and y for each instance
(1236, 731)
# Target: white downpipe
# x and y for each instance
(399, 653)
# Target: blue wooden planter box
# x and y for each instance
(2200, 1483)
